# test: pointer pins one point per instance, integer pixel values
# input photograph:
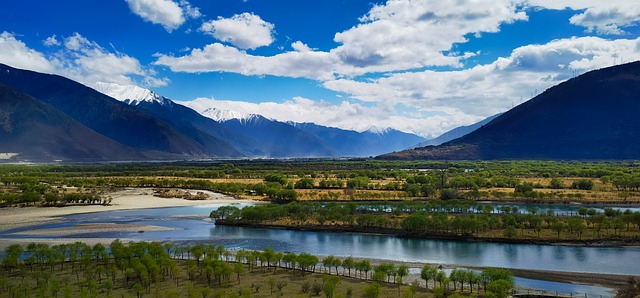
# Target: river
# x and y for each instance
(188, 228)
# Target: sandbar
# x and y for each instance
(122, 199)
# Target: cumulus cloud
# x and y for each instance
(80, 59)
(51, 41)
(246, 31)
(218, 57)
(300, 46)
(16, 53)
(167, 13)
(403, 35)
(191, 11)
(602, 17)
(399, 35)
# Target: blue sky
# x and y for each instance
(418, 66)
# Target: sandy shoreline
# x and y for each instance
(124, 199)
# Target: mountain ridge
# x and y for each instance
(37, 131)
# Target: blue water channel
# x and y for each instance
(191, 229)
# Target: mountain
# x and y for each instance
(280, 139)
(118, 121)
(591, 117)
(38, 132)
(310, 139)
(214, 138)
(240, 134)
(456, 133)
(359, 144)
(133, 123)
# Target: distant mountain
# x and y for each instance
(312, 140)
(224, 115)
(243, 134)
(456, 133)
(358, 144)
(39, 132)
(118, 121)
(215, 140)
(591, 117)
(279, 139)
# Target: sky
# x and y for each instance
(422, 67)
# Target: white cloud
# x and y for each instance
(78, 59)
(190, 11)
(397, 36)
(219, 57)
(603, 17)
(167, 13)
(15, 53)
(432, 102)
(403, 35)
(300, 46)
(246, 31)
(51, 41)
(88, 62)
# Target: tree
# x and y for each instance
(427, 273)
(348, 263)
(329, 285)
(278, 178)
(584, 184)
(12, 257)
(364, 266)
(373, 290)
(558, 226)
(403, 270)
(304, 183)
(500, 288)
(556, 183)
(358, 182)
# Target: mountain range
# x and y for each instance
(48, 117)
(590, 117)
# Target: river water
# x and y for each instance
(543, 257)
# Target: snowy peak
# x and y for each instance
(130, 94)
(225, 115)
(378, 130)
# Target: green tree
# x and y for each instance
(428, 273)
(373, 290)
(501, 288)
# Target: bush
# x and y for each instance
(584, 184)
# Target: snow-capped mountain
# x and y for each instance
(256, 135)
(224, 115)
(130, 94)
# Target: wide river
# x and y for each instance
(544, 257)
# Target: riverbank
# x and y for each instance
(123, 199)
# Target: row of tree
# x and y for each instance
(143, 266)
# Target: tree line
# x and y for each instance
(141, 268)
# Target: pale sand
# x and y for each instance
(125, 199)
